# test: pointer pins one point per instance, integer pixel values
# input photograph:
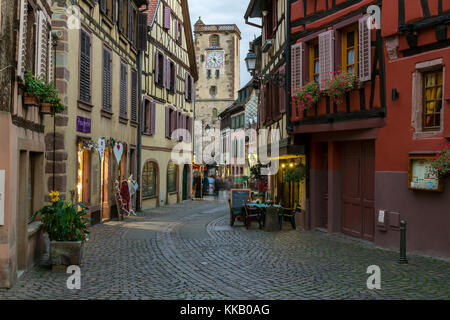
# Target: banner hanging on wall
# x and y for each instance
(101, 144)
(118, 151)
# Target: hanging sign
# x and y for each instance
(118, 151)
(101, 145)
(2, 197)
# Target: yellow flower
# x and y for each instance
(54, 195)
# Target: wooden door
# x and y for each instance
(358, 170)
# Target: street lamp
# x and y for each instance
(250, 61)
(276, 79)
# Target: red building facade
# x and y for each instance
(362, 150)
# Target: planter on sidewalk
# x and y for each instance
(65, 253)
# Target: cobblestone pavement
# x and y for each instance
(188, 251)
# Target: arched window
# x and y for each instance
(149, 179)
(215, 40)
(171, 177)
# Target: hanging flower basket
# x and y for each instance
(30, 100)
(46, 108)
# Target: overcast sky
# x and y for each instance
(227, 12)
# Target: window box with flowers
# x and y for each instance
(339, 84)
(307, 96)
(66, 225)
(440, 165)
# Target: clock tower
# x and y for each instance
(218, 61)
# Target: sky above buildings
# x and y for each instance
(227, 12)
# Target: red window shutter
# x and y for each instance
(326, 55)
(157, 62)
(296, 65)
(262, 105)
(274, 15)
(152, 117)
(364, 50)
(167, 122)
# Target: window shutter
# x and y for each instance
(262, 105)
(142, 32)
(189, 125)
(326, 55)
(41, 66)
(282, 94)
(274, 15)
(181, 32)
(167, 13)
(192, 91)
(85, 67)
(297, 65)
(123, 89)
(50, 58)
(174, 77)
(168, 122)
(186, 85)
(22, 38)
(157, 62)
(152, 117)
(106, 79)
(114, 10)
(103, 6)
(120, 15)
(144, 115)
(364, 50)
(164, 72)
(177, 23)
(133, 95)
(130, 21)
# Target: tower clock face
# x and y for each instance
(214, 60)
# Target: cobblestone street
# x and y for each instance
(188, 251)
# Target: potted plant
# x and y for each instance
(50, 101)
(307, 96)
(33, 90)
(66, 226)
(440, 166)
(340, 83)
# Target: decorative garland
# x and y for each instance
(90, 145)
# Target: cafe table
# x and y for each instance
(271, 218)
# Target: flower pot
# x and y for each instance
(30, 100)
(65, 253)
(46, 108)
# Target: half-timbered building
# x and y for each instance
(362, 149)
(169, 75)
(273, 111)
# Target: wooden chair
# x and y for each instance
(252, 213)
(288, 213)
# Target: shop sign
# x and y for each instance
(83, 124)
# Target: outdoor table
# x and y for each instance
(270, 217)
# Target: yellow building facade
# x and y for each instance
(96, 75)
(169, 76)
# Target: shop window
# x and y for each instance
(432, 100)
(149, 180)
(171, 178)
(350, 49)
(314, 70)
